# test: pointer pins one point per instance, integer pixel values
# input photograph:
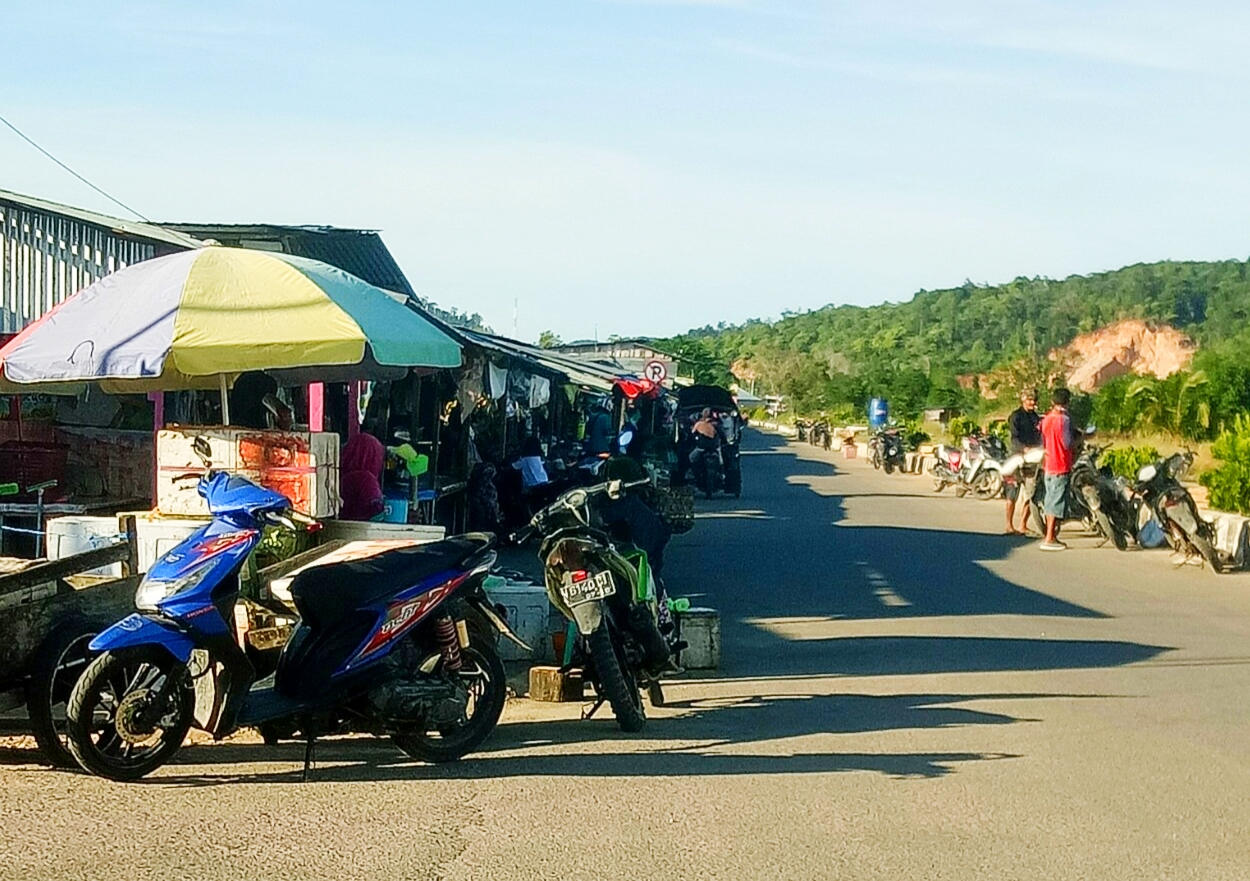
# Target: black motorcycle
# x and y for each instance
(1095, 499)
(891, 451)
(1110, 505)
(1159, 486)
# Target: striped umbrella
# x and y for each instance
(196, 319)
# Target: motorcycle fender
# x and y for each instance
(136, 630)
(498, 622)
(588, 617)
(1180, 514)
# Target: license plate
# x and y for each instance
(596, 587)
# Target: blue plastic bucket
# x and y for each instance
(395, 511)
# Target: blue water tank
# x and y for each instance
(878, 412)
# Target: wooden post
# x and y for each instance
(130, 529)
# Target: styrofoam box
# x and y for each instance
(700, 629)
(303, 466)
(157, 534)
(366, 530)
(74, 534)
(528, 613)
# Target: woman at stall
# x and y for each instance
(360, 478)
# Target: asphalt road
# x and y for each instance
(905, 693)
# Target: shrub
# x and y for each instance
(962, 426)
(1127, 461)
(1229, 482)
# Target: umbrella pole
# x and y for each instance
(225, 400)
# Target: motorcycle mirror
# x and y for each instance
(614, 489)
(203, 449)
(1090, 430)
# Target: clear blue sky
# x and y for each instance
(645, 167)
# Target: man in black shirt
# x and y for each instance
(1026, 431)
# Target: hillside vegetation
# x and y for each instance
(914, 353)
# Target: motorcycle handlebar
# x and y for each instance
(524, 534)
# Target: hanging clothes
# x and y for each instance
(498, 380)
(540, 391)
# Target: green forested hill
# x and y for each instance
(912, 352)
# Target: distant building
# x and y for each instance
(627, 355)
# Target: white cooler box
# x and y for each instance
(157, 535)
(74, 534)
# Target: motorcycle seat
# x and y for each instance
(325, 594)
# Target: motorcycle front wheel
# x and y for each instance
(989, 486)
(1208, 553)
(1107, 528)
(615, 681)
(61, 660)
(106, 713)
(482, 672)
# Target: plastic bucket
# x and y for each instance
(395, 511)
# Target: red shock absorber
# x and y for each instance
(448, 641)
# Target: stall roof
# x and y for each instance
(131, 228)
(358, 251)
(583, 373)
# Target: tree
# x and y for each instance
(549, 340)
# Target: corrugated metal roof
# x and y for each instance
(116, 225)
(358, 251)
(584, 373)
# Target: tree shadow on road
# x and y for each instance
(788, 555)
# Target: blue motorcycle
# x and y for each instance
(401, 644)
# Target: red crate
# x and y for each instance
(29, 462)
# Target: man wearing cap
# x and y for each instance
(1025, 427)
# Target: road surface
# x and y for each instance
(905, 693)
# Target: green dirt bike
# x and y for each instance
(606, 589)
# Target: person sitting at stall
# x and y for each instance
(530, 464)
(360, 478)
(599, 429)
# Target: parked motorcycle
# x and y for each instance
(1160, 488)
(947, 462)
(982, 467)
(891, 451)
(1103, 505)
(394, 644)
(973, 467)
(607, 589)
(1113, 507)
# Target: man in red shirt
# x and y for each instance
(1058, 440)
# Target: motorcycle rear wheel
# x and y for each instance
(104, 688)
(488, 691)
(615, 681)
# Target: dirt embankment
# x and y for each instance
(1129, 346)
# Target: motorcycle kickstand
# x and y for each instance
(310, 745)
(587, 714)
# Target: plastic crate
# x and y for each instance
(27, 463)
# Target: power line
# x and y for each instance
(23, 136)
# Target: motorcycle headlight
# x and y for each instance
(151, 591)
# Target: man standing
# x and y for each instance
(1057, 438)
(1025, 426)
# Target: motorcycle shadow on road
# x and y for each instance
(705, 738)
